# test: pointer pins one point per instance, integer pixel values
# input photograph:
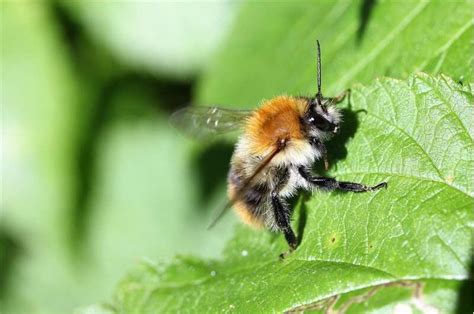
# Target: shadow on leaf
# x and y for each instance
(465, 302)
(212, 166)
(336, 147)
(365, 11)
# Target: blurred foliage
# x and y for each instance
(170, 38)
(38, 132)
(90, 165)
(94, 180)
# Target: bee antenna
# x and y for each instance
(319, 95)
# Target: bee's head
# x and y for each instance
(321, 120)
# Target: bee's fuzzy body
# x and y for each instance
(273, 157)
(277, 119)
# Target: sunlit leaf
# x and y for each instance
(414, 134)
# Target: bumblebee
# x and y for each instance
(273, 158)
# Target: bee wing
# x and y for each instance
(202, 122)
(245, 186)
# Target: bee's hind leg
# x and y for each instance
(282, 217)
(281, 211)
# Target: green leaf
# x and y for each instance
(409, 245)
(277, 54)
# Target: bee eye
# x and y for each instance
(321, 123)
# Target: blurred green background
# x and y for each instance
(95, 180)
(93, 177)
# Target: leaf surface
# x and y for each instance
(360, 40)
(409, 245)
(416, 135)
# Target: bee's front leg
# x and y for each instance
(333, 184)
(322, 150)
(340, 97)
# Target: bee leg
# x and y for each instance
(282, 217)
(357, 187)
(333, 184)
(340, 97)
(281, 211)
(322, 149)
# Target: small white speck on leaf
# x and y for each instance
(449, 179)
(213, 273)
(402, 308)
(244, 253)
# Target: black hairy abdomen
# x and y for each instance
(253, 196)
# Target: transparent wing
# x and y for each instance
(202, 122)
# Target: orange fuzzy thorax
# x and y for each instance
(277, 118)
